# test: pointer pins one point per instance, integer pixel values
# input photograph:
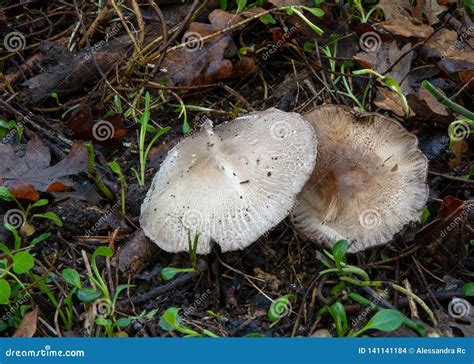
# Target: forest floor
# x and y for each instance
(74, 75)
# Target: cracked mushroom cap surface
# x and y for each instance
(230, 184)
(368, 183)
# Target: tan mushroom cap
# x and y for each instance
(230, 184)
(368, 183)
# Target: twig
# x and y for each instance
(417, 299)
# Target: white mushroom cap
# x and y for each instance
(369, 180)
(230, 184)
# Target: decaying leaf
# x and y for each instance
(390, 100)
(425, 106)
(382, 59)
(27, 175)
(205, 62)
(459, 70)
(27, 327)
(447, 44)
(400, 20)
(104, 130)
(446, 236)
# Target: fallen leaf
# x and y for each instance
(459, 70)
(400, 20)
(384, 57)
(25, 176)
(205, 62)
(103, 131)
(390, 100)
(27, 327)
(446, 236)
(445, 44)
(431, 101)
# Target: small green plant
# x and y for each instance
(170, 320)
(290, 10)
(143, 148)
(93, 174)
(7, 126)
(99, 296)
(25, 217)
(17, 279)
(350, 278)
(115, 167)
(391, 83)
(363, 16)
(280, 308)
(169, 273)
(55, 96)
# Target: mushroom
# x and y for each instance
(369, 180)
(230, 184)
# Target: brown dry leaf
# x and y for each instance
(445, 44)
(446, 236)
(103, 131)
(270, 279)
(425, 106)
(400, 21)
(384, 57)
(27, 327)
(459, 151)
(431, 9)
(459, 70)
(390, 100)
(208, 62)
(25, 176)
(431, 101)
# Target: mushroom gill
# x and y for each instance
(368, 183)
